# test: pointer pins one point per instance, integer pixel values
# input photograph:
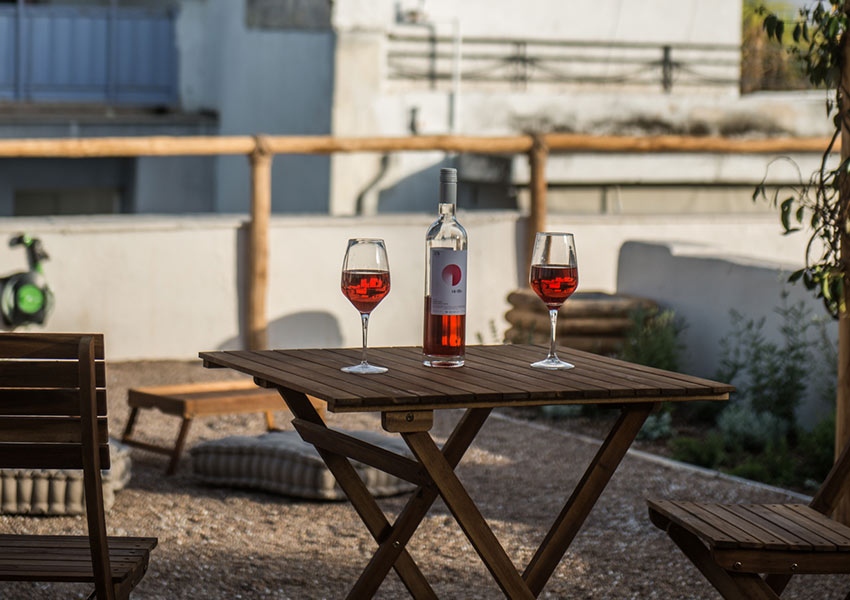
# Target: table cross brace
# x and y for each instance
(439, 470)
(362, 501)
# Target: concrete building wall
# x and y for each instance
(368, 103)
(669, 20)
(258, 80)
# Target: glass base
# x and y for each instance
(552, 362)
(364, 368)
(432, 360)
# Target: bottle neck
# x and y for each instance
(447, 209)
(448, 192)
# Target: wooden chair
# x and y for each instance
(751, 551)
(53, 416)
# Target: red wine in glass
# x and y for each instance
(554, 277)
(553, 283)
(365, 282)
(365, 288)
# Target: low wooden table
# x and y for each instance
(190, 400)
(407, 396)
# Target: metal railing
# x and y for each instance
(521, 63)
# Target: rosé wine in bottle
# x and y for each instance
(444, 339)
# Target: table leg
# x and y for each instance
(363, 503)
(417, 507)
(583, 498)
(468, 516)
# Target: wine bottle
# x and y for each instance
(445, 282)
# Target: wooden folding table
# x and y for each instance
(406, 397)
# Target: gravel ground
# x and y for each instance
(230, 544)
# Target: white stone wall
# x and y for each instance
(167, 287)
(702, 288)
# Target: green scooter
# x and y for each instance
(25, 297)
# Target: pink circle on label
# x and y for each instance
(451, 275)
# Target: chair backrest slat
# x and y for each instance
(65, 402)
(44, 383)
(47, 345)
(47, 429)
(36, 456)
(45, 374)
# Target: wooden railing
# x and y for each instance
(261, 149)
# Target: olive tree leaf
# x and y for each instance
(785, 213)
(796, 275)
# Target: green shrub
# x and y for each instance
(775, 465)
(653, 339)
(752, 468)
(561, 411)
(756, 435)
(657, 427)
(704, 412)
(770, 378)
(816, 449)
(746, 429)
(709, 452)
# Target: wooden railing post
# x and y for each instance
(537, 217)
(258, 245)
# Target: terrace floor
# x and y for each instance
(231, 544)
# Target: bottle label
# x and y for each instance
(448, 281)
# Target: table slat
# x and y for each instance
(491, 376)
(715, 386)
(521, 359)
(585, 385)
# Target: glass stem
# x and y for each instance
(364, 317)
(553, 318)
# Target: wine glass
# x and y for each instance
(554, 277)
(365, 282)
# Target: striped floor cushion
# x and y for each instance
(281, 462)
(60, 491)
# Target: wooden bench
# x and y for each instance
(751, 551)
(201, 400)
(53, 416)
